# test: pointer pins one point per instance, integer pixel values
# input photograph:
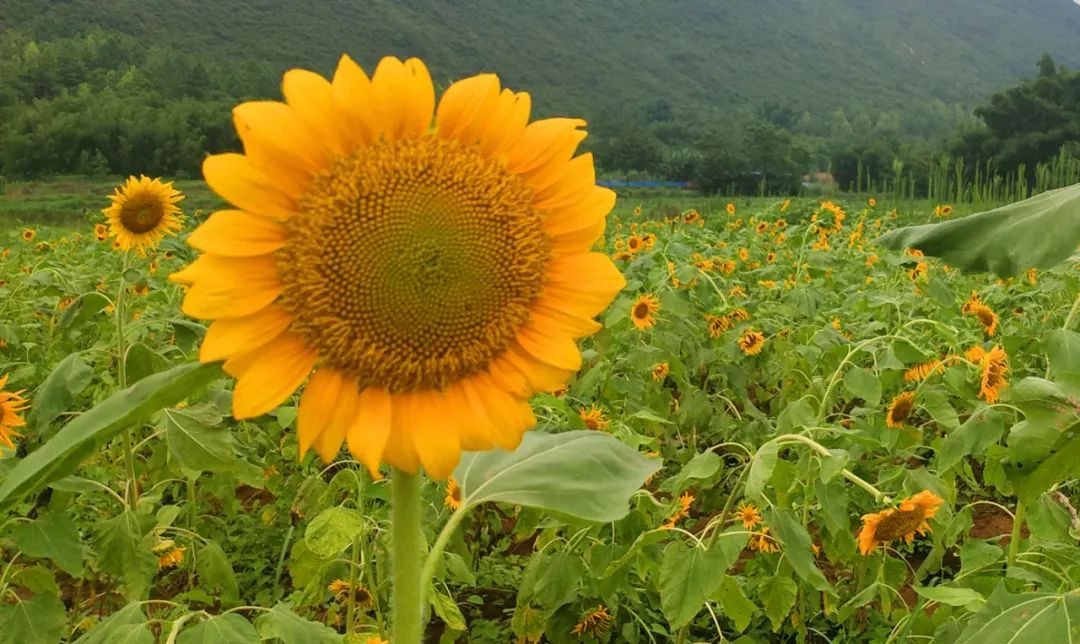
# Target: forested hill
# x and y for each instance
(590, 56)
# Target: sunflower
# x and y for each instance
(902, 522)
(595, 623)
(634, 244)
(921, 372)
(763, 542)
(428, 278)
(770, 258)
(718, 325)
(649, 240)
(871, 202)
(641, 313)
(593, 417)
(11, 404)
(744, 254)
(900, 409)
(751, 342)
(986, 316)
(749, 515)
(29, 234)
(143, 211)
(784, 206)
(730, 208)
(342, 589)
(995, 368)
(761, 227)
(660, 371)
(452, 499)
(101, 232)
(171, 557)
(681, 512)
(691, 217)
(946, 210)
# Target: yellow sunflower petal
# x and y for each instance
(355, 100)
(436, 441)
(571, 187)
(587, 212)
(316, 407)
(265, 381)
(236, 233)
(232, 336)
(228, 287)
(465, 107)
(312, 97)
(549, 346)
(404, 97)
(543, 142)
(343, 413)
(474, 425)
(369, 432)
(400, 451)
(279, 145)
(234, 177)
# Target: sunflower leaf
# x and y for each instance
(1039, 232)
(586, 474)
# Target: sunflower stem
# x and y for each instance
(407, 544)
(435, 555)
(131, 491)
(1018, 524)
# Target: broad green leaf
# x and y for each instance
(1062, 465)
(908, 353)
(981, 430)
(1063, 348)
(688, 577)
(229, 628)
(1027, 617)
(861, 383)
(796, 546)
(38, 620)
(55, 536)
(937, 404)
(833, 464)
(447, 610)
(67, 380)
(90, 431)
(194, 445)
(1044, 402)
(142, 361)
(734, 603)
(701, 466)
(215, 572)
(586, 474)
(37, 579)
(761, 469)
(333, 530)
(795, 416)
(123, 545)
(85, 307)
(557, 579)
(125, 626)
(282, 623)
(951, 596)
(1039, 232)
(778, 594)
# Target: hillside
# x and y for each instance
(587, 57)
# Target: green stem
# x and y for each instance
(1072, 314)
(407, 544)
(350, 614)
(435, 555)
(121, 368)
(1018, 523)
(848, 474)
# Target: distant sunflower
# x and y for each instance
(902, 522)
(761, 227)
(425, 269)
(453, 494)
(718, 325)
(744, 254)
(946, 210)
(11, 405)
(641, 313)
(634, 244)
(691, 217)
(995, 368)
(986, 316)
(730, 208)
(593, 417)
(101, 232)
(871, 202)
(751, 342)
(749, 515)
(143, 211)
(900, 409)
(921, 372)
(660, 371)
(649, 240)
(770, 258)
(681, 511)
(29, 234)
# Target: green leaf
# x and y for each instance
(585, 474)
(795, 416)
(1027, 617)
(863, 384)
(908, 353)
(688, 577)
(796, 542)
(40, 620)
(952, 596)
(1039, 232)
(447, 610)
(55, 536)
(67, 380)
(125, 626)
(1063, 348)
(194, 445)
(777, 594)
(938, 405)
(981, 430)
(282, 623)
(215, 572)
(142, 361)
(734, 603)
(701, 466)
(123, 544)
(89, 432)
(85, 307)
(761, 469)
(333, 530)
(229, 628)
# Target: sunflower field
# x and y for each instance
(778, 430)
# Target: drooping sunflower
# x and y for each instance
(429, 277)
(29, 234)
(691, 217)
(11, 405)
(718, 325)
(751, 342)
(921, 372)
(975, 353)
(143, 211)
(749, 515)
(595, 623)
(902, 522)
(682, 510)
(986, 316)
(900, 409)
(643, 310)
(762, 541)
(660, 371)
(995, 368)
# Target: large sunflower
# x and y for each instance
(425, 278)
(143, 211)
